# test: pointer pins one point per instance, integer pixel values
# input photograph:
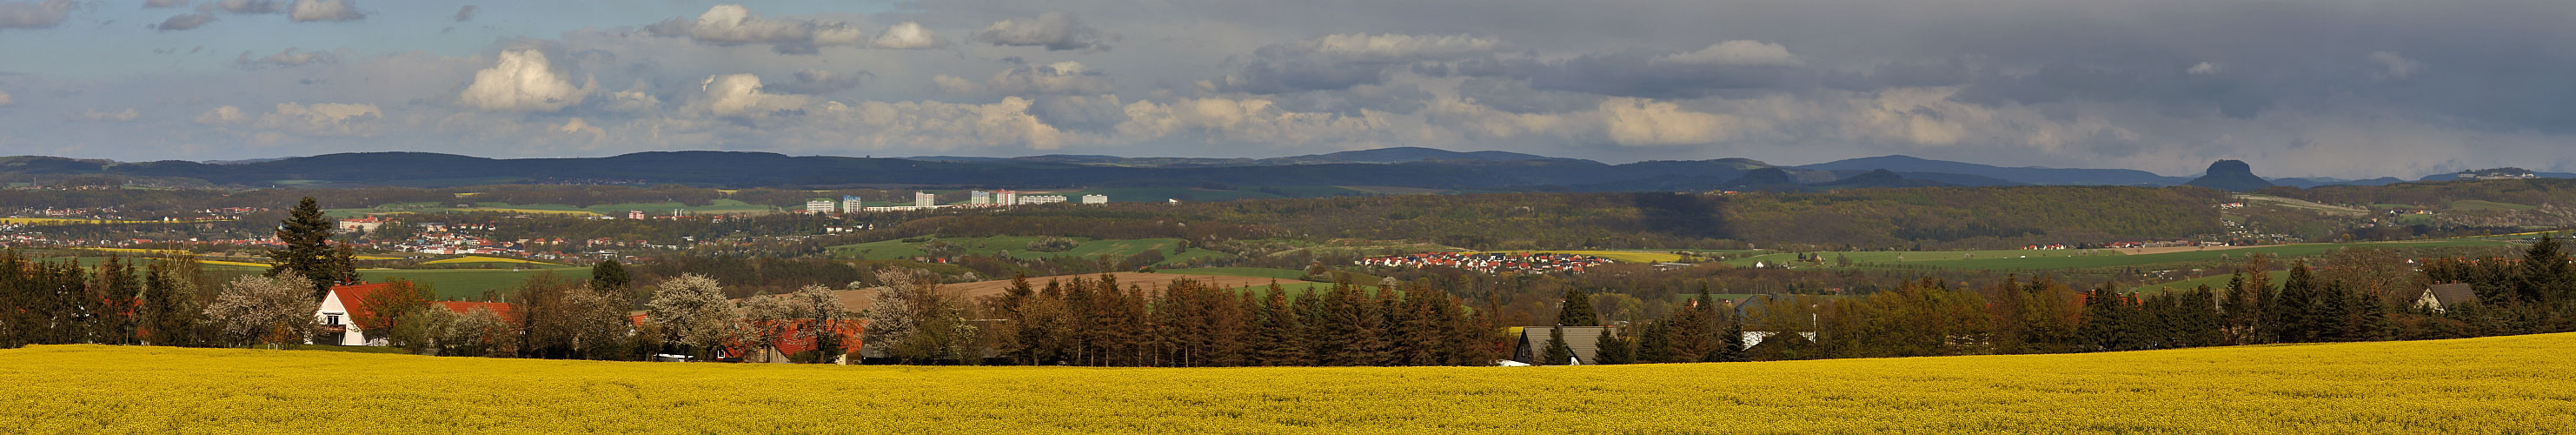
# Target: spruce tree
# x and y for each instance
(1613, 349)
(1557, 353)
(1577, 310)
(307, 236)
(2294, 313)
(1655, 343)
(609, 278)
(1732, 347)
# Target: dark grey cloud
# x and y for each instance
(465, 14)
(289, 58)
(246, 6)
(164, 3)
(35, 14)
(185, 21)
(816, 81)
(1053, 30)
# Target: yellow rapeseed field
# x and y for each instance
(2499, 385)
(483, 259)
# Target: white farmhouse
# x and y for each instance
(337, 315)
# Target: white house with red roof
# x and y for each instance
(338, 316)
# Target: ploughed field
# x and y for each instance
(2483, 385)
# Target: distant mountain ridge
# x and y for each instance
(1395, 167)
(2026, 175)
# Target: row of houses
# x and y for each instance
(1490, 262)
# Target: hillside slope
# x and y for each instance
(2483, 385)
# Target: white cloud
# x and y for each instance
(1388, 48)
(222, 115)
(185, 21)
(908, 36)
(740, 95)
(325, 10)
(5, 100)
(1637, 121)
(522, 80)
(35, 15)
(2205, 68)
(1053, 30)
(731, 24)
(933, 124)
(634, 100)
(322, 119)
(1067, 78)
(287, 59)
(164, 3)
(248, 6)
(1251, 120)
(1738, 52)
(2395, 66)
(127, 115)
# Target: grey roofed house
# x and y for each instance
(2440, 297)
(1585, 341)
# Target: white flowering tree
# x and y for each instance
(258, 310)
(822, 311)
(691, 310)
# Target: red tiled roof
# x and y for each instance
(354, 295)
(509, 313)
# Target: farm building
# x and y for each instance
(1533, 342)
(2441, 297)
(338, 314)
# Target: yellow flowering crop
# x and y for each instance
(2495, 385)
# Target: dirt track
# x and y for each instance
(859, 299)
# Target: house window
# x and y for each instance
(331, 319)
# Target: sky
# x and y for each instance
(2331, 88)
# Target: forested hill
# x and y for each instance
(1873, 218)
(747, 169)
(1409, 167)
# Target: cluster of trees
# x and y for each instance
(1094, 322)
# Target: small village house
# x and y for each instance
(1533, 342)
(2441, 297)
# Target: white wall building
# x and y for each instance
(924, 199)
(1095, 199)
(820, 205)
(978, 197)
(1041, 199)
(338, 327)
(851, 204)
(1006, 197)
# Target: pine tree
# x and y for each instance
(2295, 314)
(307, 236)
(1281, 337)
(1557, 353)
(609, 277)
(1732, 349)
(2545, 275)
(1654, 343)
(1577, 310)
(1613, 349)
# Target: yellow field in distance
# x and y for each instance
(483, 259)
(143, 251)
(2483, 385)
(529, 211)
(1619, 256)
(232, 263)
(60, 221)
